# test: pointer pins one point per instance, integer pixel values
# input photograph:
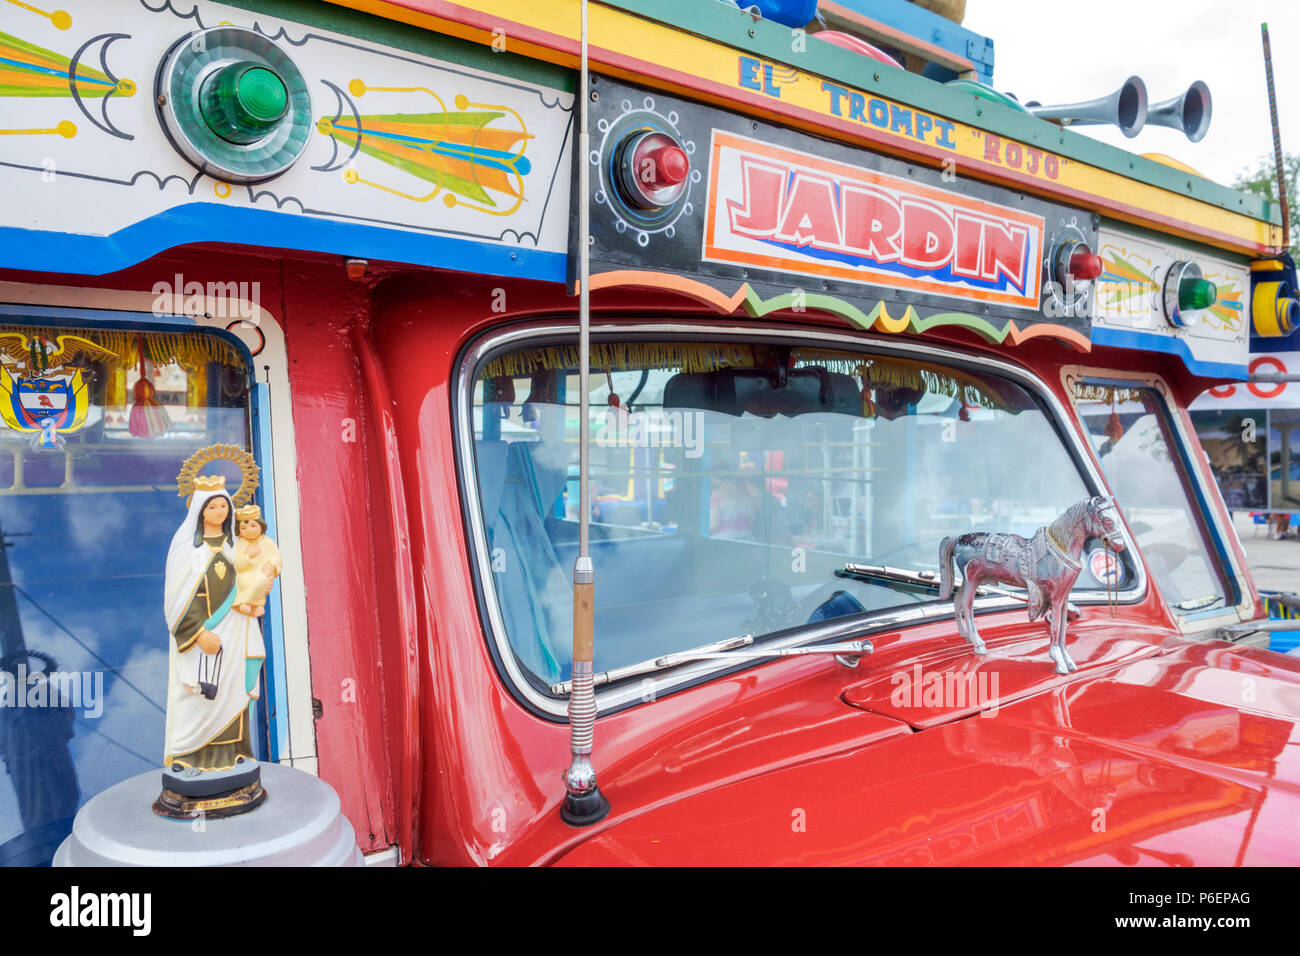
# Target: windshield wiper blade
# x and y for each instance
(928, 581)
(847, 652)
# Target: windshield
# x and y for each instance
(730, 482)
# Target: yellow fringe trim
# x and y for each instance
(688, 357)
(1110, 394)
(190, 350)
(629, 356)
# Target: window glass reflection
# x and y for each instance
(730, 482)
(91, 441)
(1134, 440)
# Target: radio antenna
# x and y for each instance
(1277, 141)
(584, 804)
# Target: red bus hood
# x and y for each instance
(1185, 756)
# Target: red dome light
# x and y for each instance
(653, 170)
(1084, 264)
(660, 166)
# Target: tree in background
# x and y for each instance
(1262, 181)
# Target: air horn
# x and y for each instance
(1126, 108)
(1189, 112)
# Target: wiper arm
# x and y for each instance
(847, 652)
(923, 581)
(927, 581)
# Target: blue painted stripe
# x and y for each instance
(39, 251)
(474, 154)
(277, 677)
(59, 316)
(33, 68)
(1169, 345)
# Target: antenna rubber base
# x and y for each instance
(584, 809)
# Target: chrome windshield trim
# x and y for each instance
(617, 698)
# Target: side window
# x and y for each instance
(92, 436)
(1236, 443)
(1132, 432)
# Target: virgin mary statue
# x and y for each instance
(215, 652)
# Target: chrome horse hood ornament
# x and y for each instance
(1045, 565)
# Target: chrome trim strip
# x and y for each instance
(534, 335)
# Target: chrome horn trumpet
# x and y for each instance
(1126, 108)
(1189, 112)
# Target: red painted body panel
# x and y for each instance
(1153, 762)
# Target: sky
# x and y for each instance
(1043, 53)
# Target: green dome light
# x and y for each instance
(262, 93)
(242, 102)
(1195, 293)
(234, 104)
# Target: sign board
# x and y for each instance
(791, 211)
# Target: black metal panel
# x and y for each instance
(672, 239)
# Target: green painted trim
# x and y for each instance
(725, 23)
(757, 307)
(402, 36)
(980, 326)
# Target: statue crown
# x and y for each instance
(210, 483)
(248, 513)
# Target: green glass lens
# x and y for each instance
(1196, 294)
(262, 94)
(242, 102)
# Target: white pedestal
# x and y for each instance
(299, 824)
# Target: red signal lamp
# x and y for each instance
(1073, 263)
(1084, 264)
(660, 166)
(653, 170)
